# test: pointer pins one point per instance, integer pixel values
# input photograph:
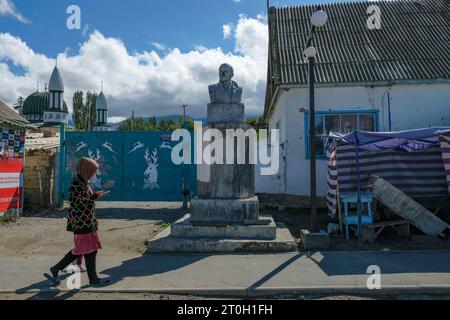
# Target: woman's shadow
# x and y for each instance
(145, 265)
(148, 265)
(45, 290)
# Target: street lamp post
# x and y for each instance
(318, 19)
(185, 188)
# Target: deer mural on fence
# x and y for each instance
(96, 181)
(151, 174)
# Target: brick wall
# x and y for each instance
(39, 178)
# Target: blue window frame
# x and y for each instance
(343, 121)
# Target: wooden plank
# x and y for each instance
(407, 208)
(387, 223)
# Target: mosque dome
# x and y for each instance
(36, 104)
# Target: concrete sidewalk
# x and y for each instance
(250, 275)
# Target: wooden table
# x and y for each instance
(372, 231)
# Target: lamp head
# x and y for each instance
(310, 52)
(319, 18)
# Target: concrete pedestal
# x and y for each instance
(226, 113)
(226, 201)
(315, 240)
(186, 237)
(225, 210)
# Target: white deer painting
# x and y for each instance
(96, 181)
(151, 174)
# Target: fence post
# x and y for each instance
(62, 165)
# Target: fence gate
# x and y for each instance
(134, 166)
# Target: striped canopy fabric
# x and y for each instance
(445, 147)
(418, 173)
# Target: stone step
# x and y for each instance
(165, 242)
(224, 210)
(185, 228)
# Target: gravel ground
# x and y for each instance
(124, 227)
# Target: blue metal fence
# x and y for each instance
(134, 166)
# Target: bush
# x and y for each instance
(9, 217)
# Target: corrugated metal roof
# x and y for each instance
(37, 141)
(11, 118)
(412, 44)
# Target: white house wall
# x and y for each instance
(275, 183)
(413, 106)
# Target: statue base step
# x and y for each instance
(225, 211)
(185, 237)
(188, 229)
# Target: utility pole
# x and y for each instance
(184, 106)
(132, 120)
(184, 185)
(88, 118)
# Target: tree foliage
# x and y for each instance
(152, 124)
(19, 105)
(80, 110)
(257, 123)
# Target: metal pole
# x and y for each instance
(62, 165)
(358, 186)
(389, 110)
(183, 167)
(312, 152)
(88, 116)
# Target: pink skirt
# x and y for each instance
(86, 244)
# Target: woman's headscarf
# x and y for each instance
(87, 168)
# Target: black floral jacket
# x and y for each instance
(82, 218)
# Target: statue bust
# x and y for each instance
(226, 91)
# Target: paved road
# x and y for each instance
(251, 275)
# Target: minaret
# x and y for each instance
(56, 90)
(102, 112)
(55, 113)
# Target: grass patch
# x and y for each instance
(165, 225)
(8, 217)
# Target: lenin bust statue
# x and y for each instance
(226, 91)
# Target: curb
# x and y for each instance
(265, 292)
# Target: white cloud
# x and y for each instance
(115, 120)
(159, 46)
(148, 82)
(7, 8)
(227, 30)
(85, 30)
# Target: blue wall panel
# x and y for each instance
(134, 166)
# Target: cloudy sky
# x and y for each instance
(153, 55)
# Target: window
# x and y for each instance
(341, 122)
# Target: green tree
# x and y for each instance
(257, 123)
(168, 125)
(19, 105)
(136, 124)
(152, 124)
(91, 105)
(81, 108)
(78, 111)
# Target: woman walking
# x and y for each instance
(82, 221)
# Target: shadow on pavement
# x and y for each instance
(357, 263)
(47, 291)
(148, 265)
(276, 271)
